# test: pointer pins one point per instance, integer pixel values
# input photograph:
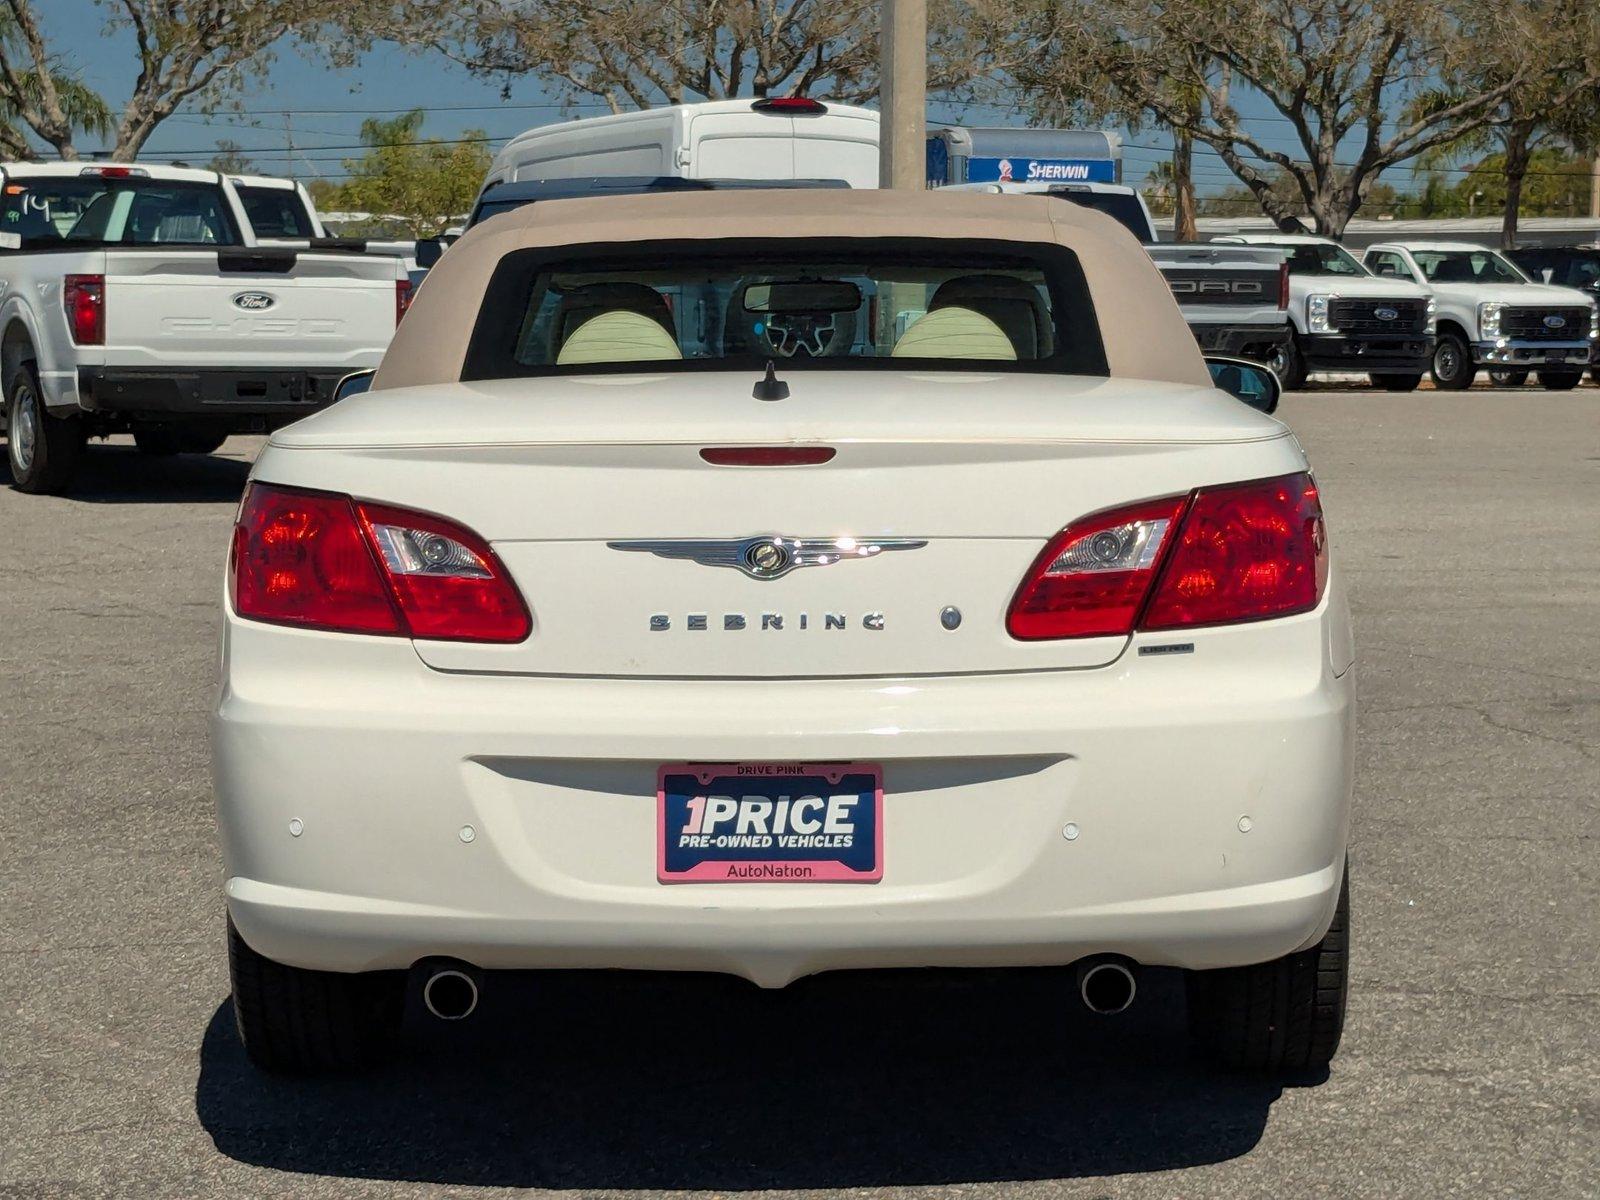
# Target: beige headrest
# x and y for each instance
(617, 336)
(955, 332)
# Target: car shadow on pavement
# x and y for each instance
(122, 475)
(604, 1080)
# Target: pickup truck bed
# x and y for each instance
(135, 299)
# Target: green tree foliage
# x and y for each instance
(1335, 73)
(410, 185)
(29, 85)
(230, 159)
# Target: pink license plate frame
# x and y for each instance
(764, 780)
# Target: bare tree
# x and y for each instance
(638, 53)
(192, 52)
(1332, 71)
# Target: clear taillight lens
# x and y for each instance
(324, 561)
(84, 299)
(1091, 580)
(1242, 552)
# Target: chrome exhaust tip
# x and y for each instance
(1106, 985)
(450, 993)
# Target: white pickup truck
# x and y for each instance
(1344, 319)
(138, 299)
(1233, 298)
(1491, 314)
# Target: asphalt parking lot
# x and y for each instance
(1469, 526)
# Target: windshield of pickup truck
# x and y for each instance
(834, 306)
(275, 212)
(48, 212)
(1466, 266)
(1313, 259)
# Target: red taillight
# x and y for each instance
(323, 561)
(790, 106)
(84, 298)
(1091, 580)
(1283, 286)
(768, 456)
(1243, 552)
(403, 291)
(1246, 552)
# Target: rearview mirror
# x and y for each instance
(1244, 380)
(353, 384)
(802, 296)
(429, 251)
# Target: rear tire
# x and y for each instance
(1395, 383)
(1282, 1017)
(1285, 362)
(44, 450)
(1560, 381)
(294, 1021)
(1508, 379)
(1453, 368)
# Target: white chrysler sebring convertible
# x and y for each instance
(783, 582)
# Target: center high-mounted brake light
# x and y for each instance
(1243, 552)
(789, 106)
(84, 299)
(323, 561)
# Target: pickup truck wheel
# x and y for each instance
(1453, 368)
(1508, 378)
(44, 450)
(1560, 381)
(1285, 362)
(294, 1021)
(1395, 383)
(1283, 1016)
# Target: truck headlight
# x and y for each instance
(1433, 313)
(1489, 319)
(1594, 320)
(1317, 314)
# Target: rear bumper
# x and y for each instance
(1411, 353)
(375, 812)
(255, 400)
(1254, 342)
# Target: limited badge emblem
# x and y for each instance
(1555, 322)
(1386, 314)
(253, 301)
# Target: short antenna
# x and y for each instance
(770, 387)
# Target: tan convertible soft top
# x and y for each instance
(1144, 334)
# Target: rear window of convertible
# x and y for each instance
(839, 304)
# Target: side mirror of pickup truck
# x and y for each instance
(429, 251)
(353, 384)
(1249, 381)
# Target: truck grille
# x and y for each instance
(1361, 316)
(1528, 324)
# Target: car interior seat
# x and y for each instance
(582, 304)
(1013, 304)
(955, 332)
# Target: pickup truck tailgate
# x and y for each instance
(269, 308)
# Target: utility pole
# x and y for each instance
(903, 95)
(1594, 188)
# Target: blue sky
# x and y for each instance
(330, 105)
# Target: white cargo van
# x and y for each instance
(790, 137)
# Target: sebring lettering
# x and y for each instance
(766, 622)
